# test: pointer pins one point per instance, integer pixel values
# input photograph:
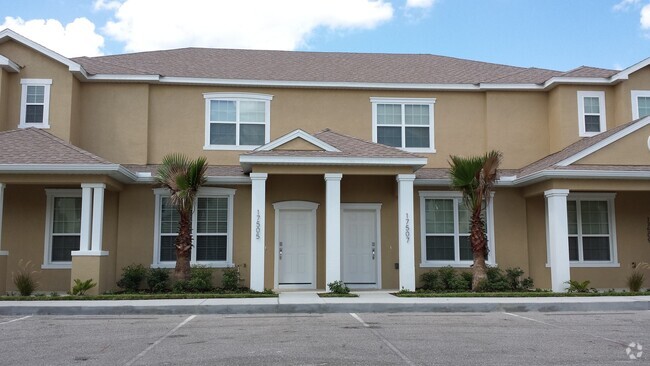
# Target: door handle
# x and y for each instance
(280, 253)
(373, 253)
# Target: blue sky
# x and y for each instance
(555, 34)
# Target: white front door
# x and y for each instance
(360, 246)
(296, 248)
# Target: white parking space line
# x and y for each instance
(386, 341)
(154, 344)
(624, 344)
(15, 320)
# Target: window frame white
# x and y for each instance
(49, 226)
(203, 192)
(582, 126)
(237, 98)
(457, 197)
(635, 94)
(46, 84)
(430, 102)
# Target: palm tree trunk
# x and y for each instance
(478, 242)
(183, 248)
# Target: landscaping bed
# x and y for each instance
(332, 294)
(159, 296)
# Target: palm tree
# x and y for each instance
(474, 177)
(182, 177)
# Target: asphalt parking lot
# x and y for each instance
(327, 339)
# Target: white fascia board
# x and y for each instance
(124, 77)
(489, 86)
(580, 174)
(614, 137)
(432, 182)
(234, 180)
(113, 170)
(297, 134)
(246, 161)
(625, 73)
(72, 66)
(573, 80)
(8, 65)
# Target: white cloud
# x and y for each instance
(625, 5)
(77, 38)
(645, 17)
(261, 24)
(106, 4)
(426, 3)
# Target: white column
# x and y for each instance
(332, 227)
(86, 216)
(558, 238)
(406, 232)
(2, 202)
(258, 215)
(98, 218)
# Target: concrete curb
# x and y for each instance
(324, 308)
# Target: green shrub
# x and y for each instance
(635, 281)
(446, 279)
(577, 286)
(200, 281)
(158, 280)
(80, 287)
(338, 287)
(24, 279)
(132, 277)
(230, 279)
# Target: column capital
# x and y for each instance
(556, 193)
(333, 176)
(405, 177)
(93, 185)
(258, 176)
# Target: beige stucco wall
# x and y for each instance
(37, 66)
(3, 99)
(639, 80)
(632, 149)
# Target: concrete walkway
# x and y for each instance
(310, 302)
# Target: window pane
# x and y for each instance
(222, 134)
(251, 111)
(417, 136)
(211, 248)
(594, 217)
(169, 217)
(67, 215)
(465, 249)
(463, 218)
(223, 111)
(595, 248)
(592, 105)
(416, 114)
(391, 136)
(35, 94)
(62, 246)
(212, 215)
(440, 248)
(644, 106)
(168, 248)
(572, 214)
(389, 114)
(251, 134)
(439, 216)
(573, 249)
(592, 123)
(34, 114)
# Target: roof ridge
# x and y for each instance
(366, 141)
(68, 145)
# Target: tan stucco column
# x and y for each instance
(3, 254)
(90, 261)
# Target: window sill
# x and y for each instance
(206, 264)
(591, 265)
(452, 264)
(88, 253)
(44, 126)
(589, 134)
(420, 150)
(230, 147)
(57, 266)
(4, 253)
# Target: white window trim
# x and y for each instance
(49, 216)
(237, 97)
(581, 112)
(46, 83)
(403, 101)
(489, 215)
(613, 262)
(203, 192)
(635, 101)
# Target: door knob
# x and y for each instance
(373, 253)
(280, 253)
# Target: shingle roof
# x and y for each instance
(35, 146)
(235, 64)
(348, 146)
(589, 72)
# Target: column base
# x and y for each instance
(91, 266)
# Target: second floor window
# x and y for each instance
(640, 103)
(591, 112)
(35, 103)
(236, 121)
(403, 123)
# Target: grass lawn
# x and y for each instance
(516, 294)
(329, 294)
(243, 295)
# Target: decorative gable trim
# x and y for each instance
(625, 73)
(606, 141)
(298, 134)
